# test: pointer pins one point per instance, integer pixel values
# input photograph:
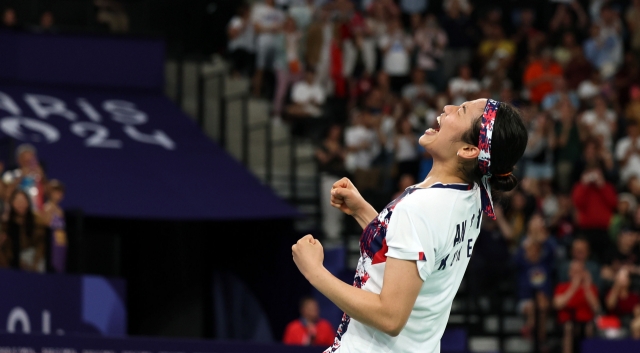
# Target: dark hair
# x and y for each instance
(305, 299)
(29, 221)
(508, 143)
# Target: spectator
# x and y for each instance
(241, 41)
(29, 176)
(628, 153)
(623, 255)
(405, 181)
(25, 231)
(560, 91)
(330, 156)
(310, 328)
(406, 149)
(568, 18)
(496, 54)
(456, 22)
(621, 300)
(604, 51)
(419, 93)
(569, 145)
(563, 54)
(632, 17)
(595, 200)
(632, 112)
(462, 87)
(9, 19)
(623, 218)
(601, 122)
(318, 42)
(595, 155)
(539, 76)
(288, 67)
(590, 87)
(396, 46)
(267, 21)
(577, 304)
(539, 152)
(113, 14)
(431, 41)
(307, 97)
(580, 254)
(578, 70)
(54, 217)
(534, 262)
(361, 141)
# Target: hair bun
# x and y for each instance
(503, 182)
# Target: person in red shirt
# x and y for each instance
(577, 304)
(309, 329)
(621, 300)
(595, 200)
(540, 75)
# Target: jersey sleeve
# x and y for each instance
(409, 238)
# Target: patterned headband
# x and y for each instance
(484, 158)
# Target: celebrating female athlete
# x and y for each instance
(415, 251)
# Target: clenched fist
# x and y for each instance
(308, 255)
(346, 197)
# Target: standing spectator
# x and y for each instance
(601, 121)
(580, 254)
(604, 50)
(623, 218)
(563, 54)
(623, 256)
(330, 156)
(431, 41)
(406, 149)
(568, 18)
(362, 144)
(267, 21)
(621, 300)
(419, 93)
(241, 41)
(569, 145)
(307, 97)
(26, 232)
(632, 112)
(310, 328)
(632, 17)
(628, 153)
(578, 70)
(496, 53)
(577, 304)
(9, 19)
(539, 76)
(287, 64)
(29, 176)
(595, 155)
(462, 87)
(456, 22)
(534, 262)
(591, 87)
(560, 92)
(54, 217)
(539, 152)
(396, 46)
(595, 201)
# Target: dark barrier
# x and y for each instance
(61, 304)
(82, 61)
(618, 346)
(53, 344)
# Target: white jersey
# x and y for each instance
(436, 226)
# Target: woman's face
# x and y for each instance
(20, 204)
(454, 122)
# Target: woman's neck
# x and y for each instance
(441, 173)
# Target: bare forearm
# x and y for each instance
(366, 215)
(363, 306)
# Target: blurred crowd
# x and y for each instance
(33, 234)
(376, 73)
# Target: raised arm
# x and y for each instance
(346, 198)
(387, 311)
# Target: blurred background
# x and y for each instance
(160, 157)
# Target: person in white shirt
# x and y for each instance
(307, 97)
(628, 153)
(267, 21)
(241, 41)
(461, 87)
(602, 121)
(415, 251)
(396, 46)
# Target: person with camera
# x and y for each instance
(595, 199)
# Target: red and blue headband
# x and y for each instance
(484, 158)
